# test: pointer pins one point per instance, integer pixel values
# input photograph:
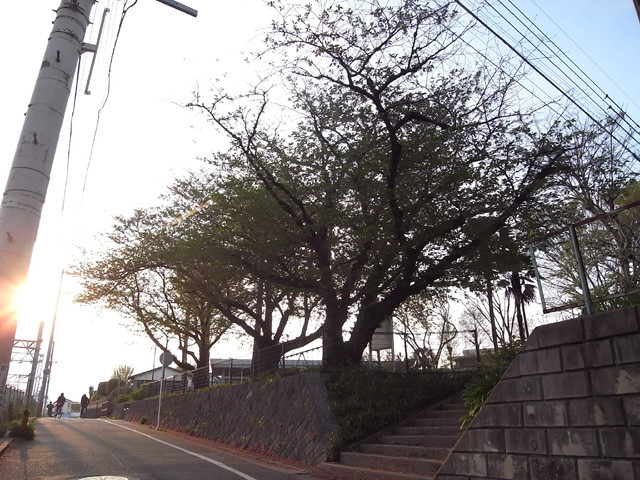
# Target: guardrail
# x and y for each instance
(593, 261)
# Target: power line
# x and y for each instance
(547, 79)
(561, 55)
(125, 10)
(587, 55)
(625, 122)
(534, 92)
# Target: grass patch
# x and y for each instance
(484, 381)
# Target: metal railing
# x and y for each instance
(221, 372)
(593, 261)
(231, 371)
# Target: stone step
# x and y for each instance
(459, 405)
(446, 441)
(454, 413)
(414, 466)
(428, 431)
(413, 451)
(435, 422)
(348, 472)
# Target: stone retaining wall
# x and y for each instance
(568, 407)
(287, 417)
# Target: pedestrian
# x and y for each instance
(84, 403)
(49, 408)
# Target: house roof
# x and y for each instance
(168, 372)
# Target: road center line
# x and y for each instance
(202, 457)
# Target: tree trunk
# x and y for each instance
(492, 315)
(201, 373)
(517, 295)
(337, 353)
(266, 355)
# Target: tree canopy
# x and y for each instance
(401, 166)
(371, 163)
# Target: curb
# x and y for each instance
(4, 443)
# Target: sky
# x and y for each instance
(145, 138)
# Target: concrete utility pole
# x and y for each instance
(29, 175)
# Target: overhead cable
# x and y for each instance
(547, 78)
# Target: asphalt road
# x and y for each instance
(73, 448)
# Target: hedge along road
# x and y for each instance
(72, 448)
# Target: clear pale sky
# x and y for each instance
(145, 139)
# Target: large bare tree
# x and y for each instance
(394, 163)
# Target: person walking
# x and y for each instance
(84, 403)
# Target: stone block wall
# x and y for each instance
(567, 408)
(287, 417)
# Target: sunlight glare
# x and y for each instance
(30, 307)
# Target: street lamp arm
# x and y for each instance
(179, 6)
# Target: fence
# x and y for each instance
(220, 372)
(593, 261)
(15, 396)
(15, 399)
(230, 371)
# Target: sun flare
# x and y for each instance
(32, 307)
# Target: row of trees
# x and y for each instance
(388, 171)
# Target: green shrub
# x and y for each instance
(18, 429)
(119, 392)
(102, 389)
(364, 401)
(123, 398)
(112, 385)
(136, 395)
(482, 384)
(3, 429)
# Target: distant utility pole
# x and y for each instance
(28, 179)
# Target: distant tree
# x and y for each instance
(177, 280)
(130, 278)
(522, 289)
(102, 389)
(603, 176)
(428, 328)
(113, 384)
(479, 309)
(123, 374)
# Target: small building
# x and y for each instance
(154, 375)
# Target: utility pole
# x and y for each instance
(28, 179)
(29, 175)
(34, 369)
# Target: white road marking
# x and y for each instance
(197, 455)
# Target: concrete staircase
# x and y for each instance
(412, 450)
